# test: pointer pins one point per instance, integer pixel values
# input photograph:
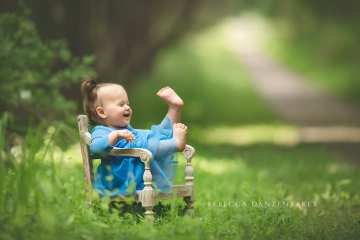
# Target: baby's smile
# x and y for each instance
(126, 114)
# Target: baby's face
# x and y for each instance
(114, 106)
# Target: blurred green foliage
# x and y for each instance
(124, 35)
(327, 54)
(34, 73)
(216, 89)
(319, 39)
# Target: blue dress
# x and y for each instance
(124, 175)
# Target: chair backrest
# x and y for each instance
(85, 139)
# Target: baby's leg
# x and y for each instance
(166, 147)
(177, 143)
(179, 133)
(174, 101)
(166, 123)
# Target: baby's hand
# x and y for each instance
(126, 134)
(117, 134)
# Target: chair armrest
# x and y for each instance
(188, 152)
(142, 153)
(146, 155)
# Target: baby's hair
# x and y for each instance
(89, 89)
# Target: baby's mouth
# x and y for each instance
(126, 115)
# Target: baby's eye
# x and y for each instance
(122, 104)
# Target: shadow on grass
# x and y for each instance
(162, 210)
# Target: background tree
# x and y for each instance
(33, 73)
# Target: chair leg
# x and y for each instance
(189, 207)
(147, 195)
(147, 200)
(189, 178)
(149, 214)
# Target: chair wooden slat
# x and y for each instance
(83, 125)
(144, 154)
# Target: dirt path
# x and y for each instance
(291, 96)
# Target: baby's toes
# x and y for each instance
(181, 125)
(162, 90)
(184, 127)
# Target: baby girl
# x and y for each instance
(107, 105)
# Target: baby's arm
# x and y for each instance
(100, 146)
(103, 140)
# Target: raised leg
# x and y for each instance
(174, 101)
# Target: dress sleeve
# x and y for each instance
(99, 146)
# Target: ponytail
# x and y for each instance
(89, 93)
(87, 86)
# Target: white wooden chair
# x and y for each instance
(148, 196)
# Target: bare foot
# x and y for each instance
(180, 132)
(170, 97)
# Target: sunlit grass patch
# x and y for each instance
(216, 167)
(276, 134)
(247, 135)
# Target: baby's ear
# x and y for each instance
(100, 112)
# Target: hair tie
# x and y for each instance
(93, 82)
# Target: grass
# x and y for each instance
(255, 192)
(259, 191)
